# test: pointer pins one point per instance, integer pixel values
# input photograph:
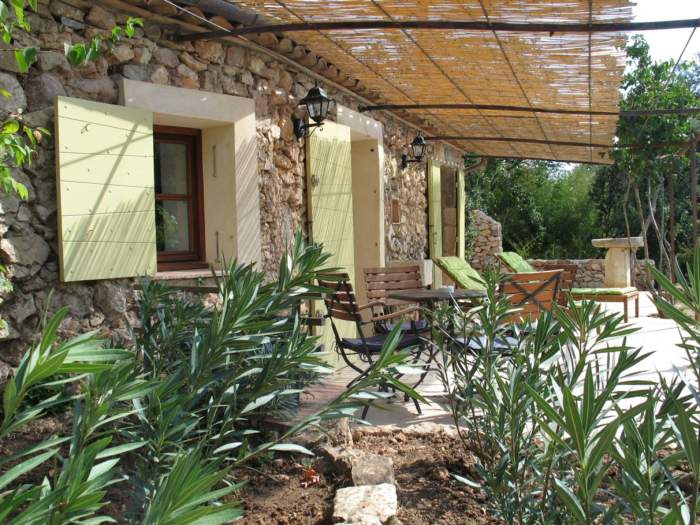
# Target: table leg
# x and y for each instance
(626, 302)
(636, 306)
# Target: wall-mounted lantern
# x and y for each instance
(417, 149)
(317, 105)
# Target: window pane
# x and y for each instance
(171, 168)
(172, 226)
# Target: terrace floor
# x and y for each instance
(657, 336)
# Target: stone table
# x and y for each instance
(618, 264)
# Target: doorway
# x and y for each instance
(446, 215)
(345, 201)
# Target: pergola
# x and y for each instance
(523, 78)
(527, 79)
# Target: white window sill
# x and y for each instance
(173, 275)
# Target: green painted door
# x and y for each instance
(329, 183)
(435, 218)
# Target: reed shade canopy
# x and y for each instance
(567, 71)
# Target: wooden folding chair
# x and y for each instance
(568, 277)
(532, 293)
(381, 281)
(341, 305)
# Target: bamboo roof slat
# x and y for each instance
(579, 71)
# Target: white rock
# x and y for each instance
(365, 505)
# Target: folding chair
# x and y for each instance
(341, 305)
(533, 292)
(381, 281)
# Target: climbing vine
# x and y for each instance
(18, 140)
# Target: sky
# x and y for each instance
(669, 43)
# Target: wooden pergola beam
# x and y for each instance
(558, 142)
(527, 109)
(442, 25)
(543, 159)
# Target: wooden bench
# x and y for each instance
(609, 295)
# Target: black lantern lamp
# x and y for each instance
(317, 105)
(418, 149)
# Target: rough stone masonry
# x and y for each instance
(28, 229)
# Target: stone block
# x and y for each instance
(100, 17)
(17, 99)
(50, 60)
(371, 469)
(41, 91)
(166, 56)
(210, 51)
(365, 505)
(160, 75)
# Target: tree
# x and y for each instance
(632, 195)
(542, 207)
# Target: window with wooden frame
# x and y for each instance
(178, 196)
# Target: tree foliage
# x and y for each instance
(542, 206)
(549, 210)
(632, 195)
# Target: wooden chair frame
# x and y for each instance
(381, 281)
(531, 286)
(568, 277)
(342, 305)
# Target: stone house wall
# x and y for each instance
(486, 240)
(28, 236)
(591, 272)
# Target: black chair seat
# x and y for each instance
(504, 344)
(421, 325)
(374, 343)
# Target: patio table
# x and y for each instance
(433, 296)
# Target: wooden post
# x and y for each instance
(694, 185)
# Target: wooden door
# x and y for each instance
(435, 218)
(329, 188)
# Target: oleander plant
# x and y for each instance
(158, 431)
(563, 426)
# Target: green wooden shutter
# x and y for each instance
(461, 216)
(106, 199)
(329, 182)
(435, 218)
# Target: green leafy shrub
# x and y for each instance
(186, 405)
(563, 427)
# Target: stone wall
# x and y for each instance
(591, 272)
(486, 239)
(28, 228)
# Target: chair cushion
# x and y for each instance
(517, 263)
(503, 344)
(603, 291)
(421, 325)
(374, 343)
(462, 272)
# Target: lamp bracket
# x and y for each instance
(301, 127)
(405, 161)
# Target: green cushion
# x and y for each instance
(603, 291)
(517, 263)
(462, 273)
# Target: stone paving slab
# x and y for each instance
(657, 336)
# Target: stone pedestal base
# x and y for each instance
(618, 269)
(618, 264)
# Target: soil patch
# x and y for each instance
(280, 493)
